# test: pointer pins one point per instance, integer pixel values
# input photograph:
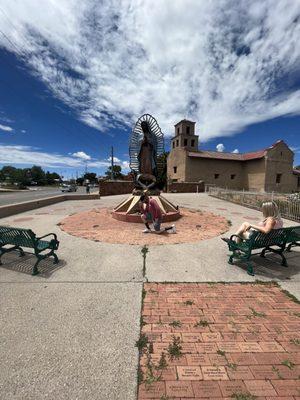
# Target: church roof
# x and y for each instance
(232, 156)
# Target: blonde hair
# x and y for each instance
(270, 209)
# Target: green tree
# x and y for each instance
(52, 178)
(91, 176)
(162, 170)
(117, 172)
(38, 175)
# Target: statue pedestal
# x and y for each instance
(129, 210)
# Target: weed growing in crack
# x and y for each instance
(142, 342)
(288, 364)
(229, 365)
(154, 372)
(243, 396)
(175, 324)
(277, 372)
(174, 349)
(189, 303)
(296, 342)
(144, 252)
(255, 313)
(202, 323)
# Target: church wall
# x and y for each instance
(176, 159)
(255, 175)
(224, 173)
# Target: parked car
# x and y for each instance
(66, 187)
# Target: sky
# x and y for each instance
(75, 76)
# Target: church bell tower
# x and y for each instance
(185, 136)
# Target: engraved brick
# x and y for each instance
(228, 388)
(271, 347)
(264, 372)
(179, 389)
(229, 347)
(214, 373)
(206, 389)
(239, 373)
(260, 388)
(250, 347)
(191, 337)
(198, 359)
(206, 347)
(189, 373)
(156, 390)
(211, 337)
(288, 387)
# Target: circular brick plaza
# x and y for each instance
(98, 225)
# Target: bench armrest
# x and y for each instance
(48, 234)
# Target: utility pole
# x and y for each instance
(112, 164)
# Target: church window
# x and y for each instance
(185, 142)
(278, 178)
(187, 130)
(217, 176)
(232, 176)
(177, 131)
(177, 143)
(175, 170)
(193, 142)
(173, 145)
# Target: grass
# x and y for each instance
(277, 371)
(221, 353)
(232, 366)
(174, 349)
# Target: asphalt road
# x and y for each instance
(7, 198)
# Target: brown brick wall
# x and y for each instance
(186, 187)
(108, 188)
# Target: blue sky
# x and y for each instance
(74, 79)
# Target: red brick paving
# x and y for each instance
(235, 339)
(98, 224)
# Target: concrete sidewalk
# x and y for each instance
(70, 331)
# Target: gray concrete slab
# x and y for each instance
(69, 341)
(206, 261)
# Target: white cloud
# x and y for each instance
(116, 160)
(6, 128)
(23, 130)
(27, 155)
(82, 155)
(223, 64)
(220, 147)
(236, 151)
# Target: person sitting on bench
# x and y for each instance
(271, 220)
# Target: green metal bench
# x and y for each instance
(19, 237)
(274, 241)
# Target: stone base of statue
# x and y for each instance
(129, 209)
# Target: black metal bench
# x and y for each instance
(275, 241)
(19, 237)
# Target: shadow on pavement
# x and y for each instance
(46, 268)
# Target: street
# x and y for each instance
(7, 198)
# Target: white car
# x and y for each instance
(68, 188)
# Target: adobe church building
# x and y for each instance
(265, 170)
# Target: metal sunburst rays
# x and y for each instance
(136, 139)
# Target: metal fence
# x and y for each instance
(289, 205)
